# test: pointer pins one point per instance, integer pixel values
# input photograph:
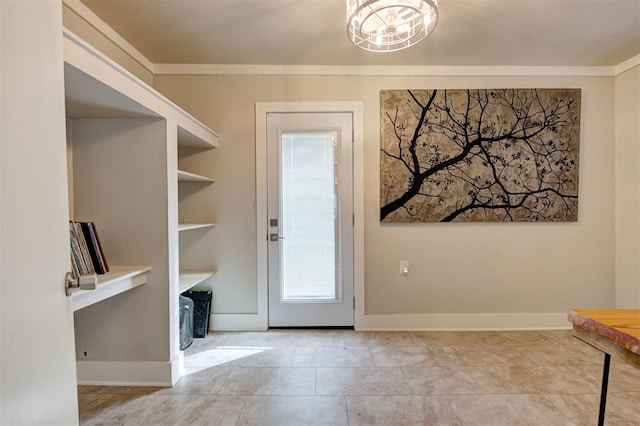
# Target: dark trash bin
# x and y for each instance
(201, 311)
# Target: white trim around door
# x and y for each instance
(262, 109)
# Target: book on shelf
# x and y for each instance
(95, 250)
(87, 256)
(78, 259)
(75, 261)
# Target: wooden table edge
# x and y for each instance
(605, 338)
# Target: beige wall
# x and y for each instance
(627, 119)
(455, 268)
(77, 25)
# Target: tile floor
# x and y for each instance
(335, 377)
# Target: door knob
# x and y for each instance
(83, 282)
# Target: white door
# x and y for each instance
(310, 219)
(37, 362)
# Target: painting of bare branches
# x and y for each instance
(488, 155)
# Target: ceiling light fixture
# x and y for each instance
(390, 25)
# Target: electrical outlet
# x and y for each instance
(404, 267)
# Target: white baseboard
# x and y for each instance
(528, 321)
(128, 373)
(222, 322)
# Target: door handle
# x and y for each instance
(83, 282)
(275, 237)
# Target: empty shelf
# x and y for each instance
(189, 226)
(192, 177)
(189, 279)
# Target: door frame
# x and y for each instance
(264, 108)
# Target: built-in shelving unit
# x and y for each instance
(141, 170)
(196, 211)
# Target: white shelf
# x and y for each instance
(190, 226)
(206, 139)
(192, 177)
(189, 279)
(118, 280)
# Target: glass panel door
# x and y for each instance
(308, 207)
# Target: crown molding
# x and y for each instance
(381, 70)
(628, 64)
(102, 27)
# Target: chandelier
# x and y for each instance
(390, 25)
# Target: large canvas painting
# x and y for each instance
(488, 155)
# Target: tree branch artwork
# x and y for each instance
(487, 155)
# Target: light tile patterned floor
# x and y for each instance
(335, 377)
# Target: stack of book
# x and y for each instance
(87, 256)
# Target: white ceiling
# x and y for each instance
(312, 32)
